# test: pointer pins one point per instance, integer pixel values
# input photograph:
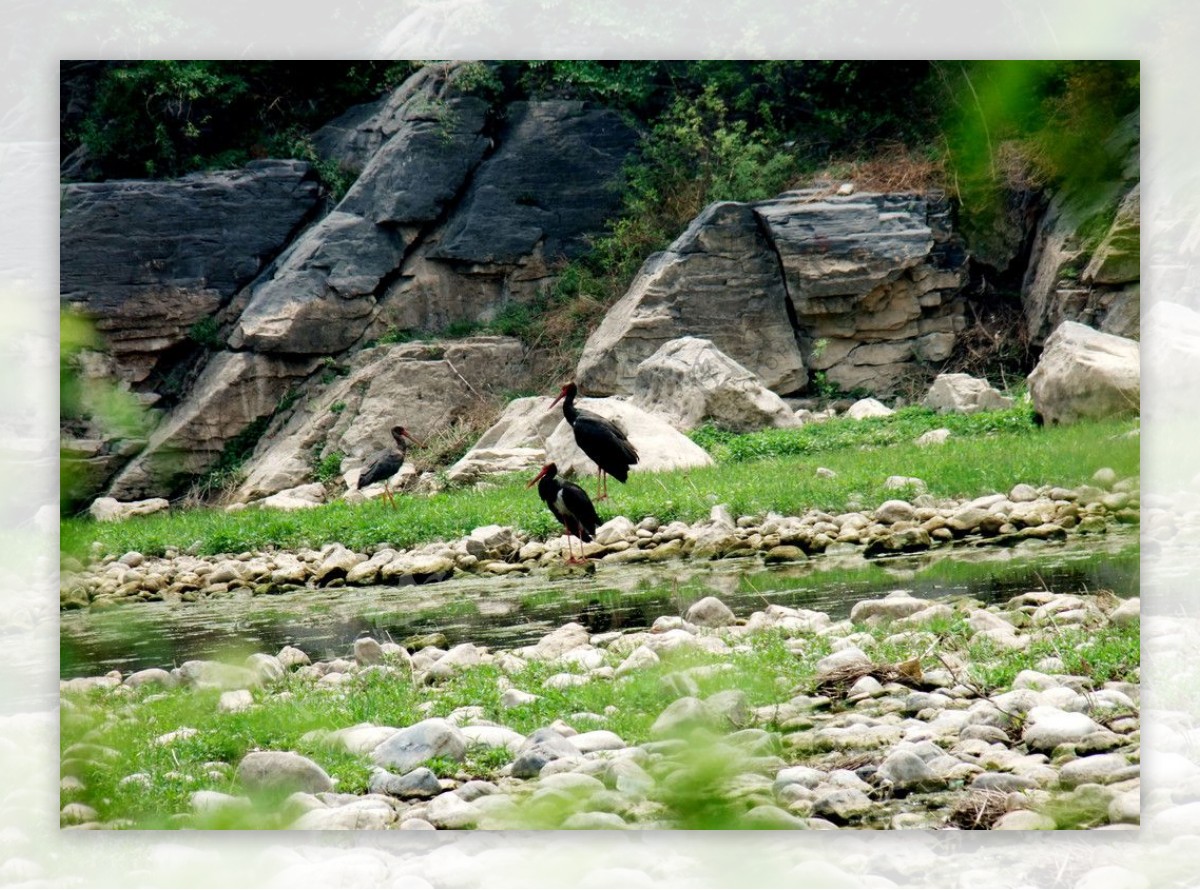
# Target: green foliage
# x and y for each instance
(206, 332)
(479, 79)
(165, 118)
(89, 406)
(969, 464)
(1016, 123)
(397, 335)
(329, 467)
(337, 407)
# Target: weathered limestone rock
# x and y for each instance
(352, 138)
(719, 280)
(873, 280)
(547, 187)
(422, 386)
(865, 408)
(660, 446)
(514, 443)
(1118, 258)
(302, 497)
(234, 390)
(112, 510)
(689, 381)
(1062, 282)
(147, 259)
(964, 394)
(1085, 373)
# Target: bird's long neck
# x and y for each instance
(548, 489)
(570, 412)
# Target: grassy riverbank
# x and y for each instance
(764, 670)
(755, 473)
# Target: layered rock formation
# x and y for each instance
(146, 260)
(863, 287)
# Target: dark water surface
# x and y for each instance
(515, 611)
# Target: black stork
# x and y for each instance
(600, 439)
(386, 463)
(570, 505)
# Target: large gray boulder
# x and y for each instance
(540, 187)
(964, 394)
(1084, 373)
(864, 287)
(112, 510)
(550, 184)
(323, 293)
(659, 445)
(873, 281)
(719, 280)
(147, 259)
(689, 381)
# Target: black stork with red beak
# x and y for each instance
(570, 505)
(386, 463)
(600, 439)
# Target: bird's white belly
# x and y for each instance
(560, 505)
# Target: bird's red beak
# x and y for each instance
(413, 439)
(538, 478)
(559, 399)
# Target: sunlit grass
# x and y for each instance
(862, 456)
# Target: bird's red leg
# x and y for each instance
(388, 491)
(602, 488)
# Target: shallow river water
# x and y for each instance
(514, 610)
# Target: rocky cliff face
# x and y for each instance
(148, 259)
(1091, 278)
(225, 297)
(459, 208)
(863, 287)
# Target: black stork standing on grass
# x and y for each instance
(570, 505)
(386, 463)
(600, 439)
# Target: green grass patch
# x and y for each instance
(767, 670)
(784, 481)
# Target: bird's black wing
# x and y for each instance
(577, 502)
(383, 465)
(605, 443)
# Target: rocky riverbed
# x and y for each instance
(919, 523)
(909, 714)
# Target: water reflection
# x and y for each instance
(507, 612)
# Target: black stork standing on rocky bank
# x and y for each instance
(386, 463)
(600, 439)
(570, 505)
